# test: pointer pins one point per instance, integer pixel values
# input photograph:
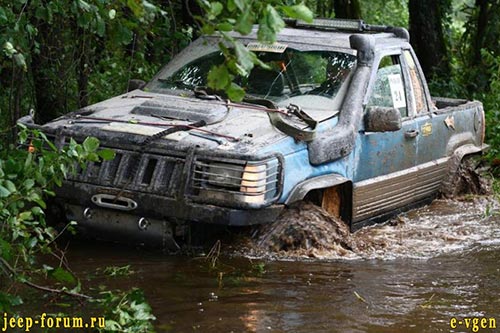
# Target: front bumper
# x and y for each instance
(156, 221)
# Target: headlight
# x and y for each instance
(223, 175)
(241, 182)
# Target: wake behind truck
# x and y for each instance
(341, 116)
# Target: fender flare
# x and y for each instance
(454, 163)
(301, 189)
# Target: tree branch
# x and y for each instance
(9, 268)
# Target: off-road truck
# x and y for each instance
(341, 115)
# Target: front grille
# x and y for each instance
(134, 171)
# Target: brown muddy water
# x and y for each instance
(417, 273)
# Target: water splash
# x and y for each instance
(445, 226)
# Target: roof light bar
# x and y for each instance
(341, 24)
(338, 24)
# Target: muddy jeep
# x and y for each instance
(342, 117)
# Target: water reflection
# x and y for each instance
(442, 262)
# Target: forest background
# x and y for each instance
(60, 55)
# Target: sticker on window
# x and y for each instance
(397, 91)
(263, 47)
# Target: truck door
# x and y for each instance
(434, 129)
(383, 153)
(383, 179)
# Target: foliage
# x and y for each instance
(130, 312)
(239, 16)
(27, 177)
(28, 174)
(491, 102)
(392, 12)
(475, 63)
(114, 271)
(480, 33)
(57, 56)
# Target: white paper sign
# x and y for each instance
(397, 91)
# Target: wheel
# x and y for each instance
(467, 179)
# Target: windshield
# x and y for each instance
(311, 79)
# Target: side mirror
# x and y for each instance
(382, 119)
(135, 84)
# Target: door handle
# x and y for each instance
(411, 134)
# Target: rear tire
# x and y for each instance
(467, 179)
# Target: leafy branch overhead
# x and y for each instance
(240, 16)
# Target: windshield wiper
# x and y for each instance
(203, 92)
(177, 83)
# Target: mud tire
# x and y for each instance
(467, 179)
(302, 227)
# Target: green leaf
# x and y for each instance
(106, 154)
(300, 11)
(245, 23)
(62, 275)
(235, 92)
(20, 61)
(10, 186)
(93, 157)
(241, 4)
(218, 77)
(225, 26)
(216, 8)
(245, 57)
(9, 49)
(4, 192)
(3, 16)
(90, 144)
(5, 250)
(269, 25)
(136, 7)
(8, 300)
(112, 325)
(31, 30)
(37, 211)
(207, 29)
(231, 6)
(25, 216)
(100, 26)
(28, 184)
(84, 5)
(32, 242)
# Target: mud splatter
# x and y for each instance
(306, 231)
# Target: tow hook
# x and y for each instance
(87, 213)
(143, 223)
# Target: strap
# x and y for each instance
(277, 120)
(287, 128)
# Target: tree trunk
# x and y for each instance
(482, 21)
(15, 97)
(348, 9)
(426, 36)
(83, 69)
(48, 75)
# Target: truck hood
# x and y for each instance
(223, 126)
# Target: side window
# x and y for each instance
(416, 84)
(389, 90)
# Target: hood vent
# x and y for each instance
(185, 110)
